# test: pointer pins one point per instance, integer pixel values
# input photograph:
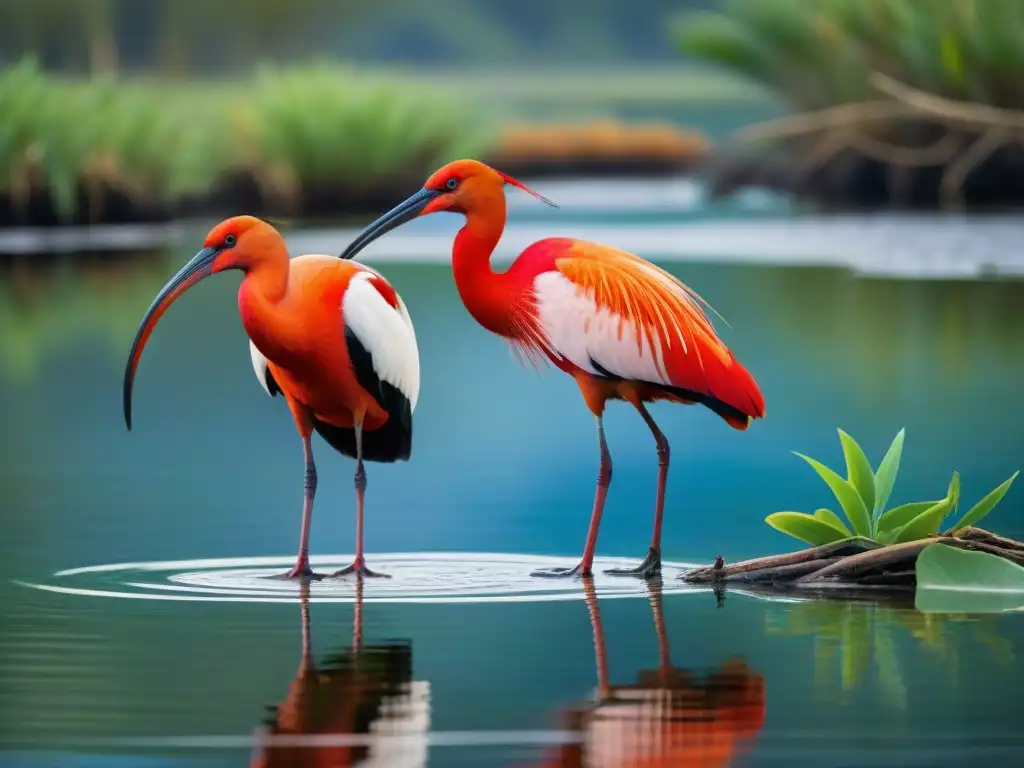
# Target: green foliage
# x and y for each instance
(815, 531)
(154, 142)
(824, 53)
(331, 126)
(64, 136)
(985, 506)
(952, 580)
(863, 496)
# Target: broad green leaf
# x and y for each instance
(830, 517)
(858, 470)
(897, 517)
(986, 505)
(951, 580)
(805, 527)
(849, 499)
(885, 478)
(925, 524)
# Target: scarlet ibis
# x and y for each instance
(622, 327)
(666, 718)
(332, 337)
(364, 690)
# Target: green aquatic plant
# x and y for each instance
(849, 638)
(863, 495)
(824, 53)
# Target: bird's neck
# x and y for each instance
(259, 302)
(483, 291)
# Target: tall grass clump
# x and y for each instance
(329, 128)
(75, 142)
(821, 53)
(322, 134)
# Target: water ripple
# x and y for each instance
(423, 577)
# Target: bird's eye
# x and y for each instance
(229, 241)
(452, 183)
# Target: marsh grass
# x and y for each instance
(324, 128)
(824, 53)
(76, 143)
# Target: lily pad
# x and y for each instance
(952, 580)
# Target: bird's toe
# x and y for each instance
(360, 571)
(561, 573)
(298, 574)
(648, 569)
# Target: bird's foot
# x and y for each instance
(301, 572)
(648, 569)
(563, 573)
(359, 569)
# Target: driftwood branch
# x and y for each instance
(852, 563)
(968, 135)
(948, 110)
(720, 571)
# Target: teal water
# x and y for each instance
(504, 462)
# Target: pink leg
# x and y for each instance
(600, 653)
(651, 566)
(358, 566)
(604, 479)
(302, 571)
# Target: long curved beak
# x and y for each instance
(397, 216)
(199, 267)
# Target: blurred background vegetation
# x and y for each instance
(118, 111)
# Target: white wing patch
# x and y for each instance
(387, 334)
(259, 364)
(582, 331)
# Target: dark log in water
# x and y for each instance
(854, 563)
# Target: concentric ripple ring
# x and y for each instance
(421, 577)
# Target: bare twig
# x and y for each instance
(722, 571)
(949, 110)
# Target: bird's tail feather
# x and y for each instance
(388, 443)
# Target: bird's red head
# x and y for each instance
(236, 243)
(461, 186)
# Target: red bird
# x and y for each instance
(622, 327)
(332, 337)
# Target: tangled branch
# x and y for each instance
(973, 133)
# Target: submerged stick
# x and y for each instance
(720, 571)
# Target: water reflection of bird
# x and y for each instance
(332, 337)
(363, 690)
(622, 327)
(667, 718)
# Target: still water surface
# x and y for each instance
(462, 654)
